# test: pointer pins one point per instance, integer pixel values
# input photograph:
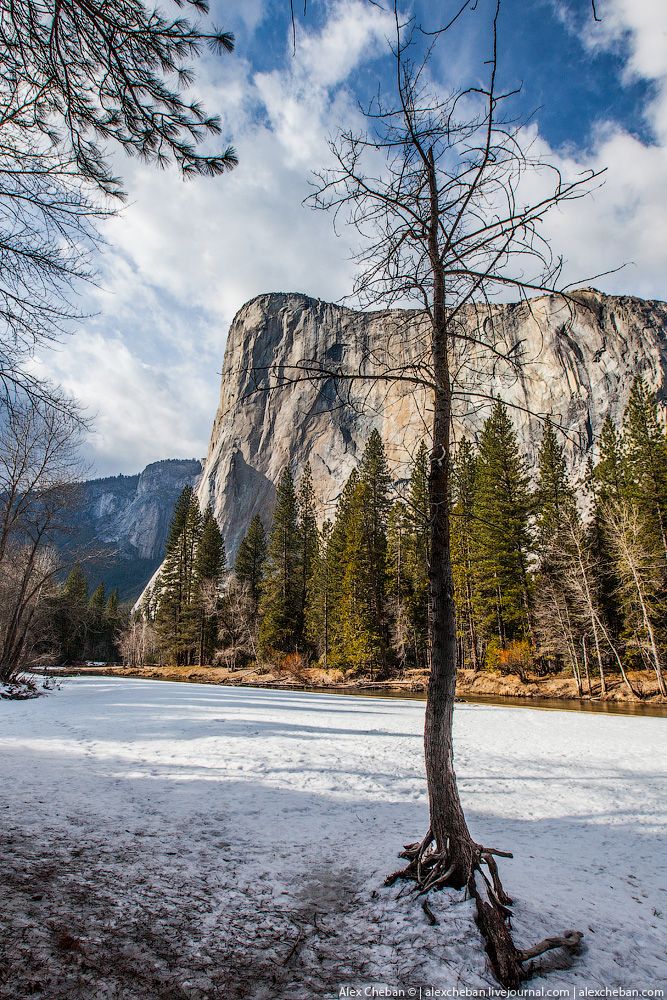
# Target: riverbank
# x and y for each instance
(469, 682)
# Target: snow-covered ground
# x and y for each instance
(172, 841)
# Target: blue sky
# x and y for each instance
(183, 257)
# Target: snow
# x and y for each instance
(168, 840)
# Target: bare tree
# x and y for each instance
(239, 625)
(641, 575)
(581, 572)
(433, 187)
(39, 473)
(138, 642)
(555, 626)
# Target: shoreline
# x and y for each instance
(469, 683)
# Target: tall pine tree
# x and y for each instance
(177, 617)
(502, 511)
(463, 541)
(376, 480)
(359, 642)
(609, 473)
(71, 616)
(250, 560)
(645, 459)
(417, 555)
(554, 495)
(281, 584)
(308, 548)
(209, 567)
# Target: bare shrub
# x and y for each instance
(294, 666)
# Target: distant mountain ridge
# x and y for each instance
(124, 520)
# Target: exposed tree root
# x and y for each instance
(432, 869)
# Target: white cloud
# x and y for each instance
(356, 32)
(642, 24)
(141, 411)
(624, 222)
(183, 257)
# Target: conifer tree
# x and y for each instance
(554, 495)
(502, 511)
(554, 502)
(97, 642)
(463, 541)
(399, 583)
(179, 517)
(210, 560)
(112, 622)
(337, 545)
(359, 639)
(608, 478)
(374, 475)
(209, 566)
(608, 484)
(176, 618)
(71, 616)
(418, 554)
(321, 596)
(281, 583)
(645, 459)
(308, 547)
(250, 560)
(327, 589)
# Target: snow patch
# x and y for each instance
(167, 839)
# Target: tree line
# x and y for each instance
(549, 575)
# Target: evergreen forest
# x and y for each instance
(551, 576)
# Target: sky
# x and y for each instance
(181, 258)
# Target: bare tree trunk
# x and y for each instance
(657, 666)
(591, 613)
(471, 624)
(448, 856)
(448, 824)
(611, 645)
(588, 676)
(566, 626)
(603, 683)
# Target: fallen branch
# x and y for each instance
(294, 946)
(569, 939)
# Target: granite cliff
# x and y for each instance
(578, 360)
(124, 520)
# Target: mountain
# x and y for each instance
(122, 522)
(577, 357)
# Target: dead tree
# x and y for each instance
(432, 186)
(554, 624)
(581, 572)
(40, 470)
(641, 576)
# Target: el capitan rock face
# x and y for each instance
(578, 363)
